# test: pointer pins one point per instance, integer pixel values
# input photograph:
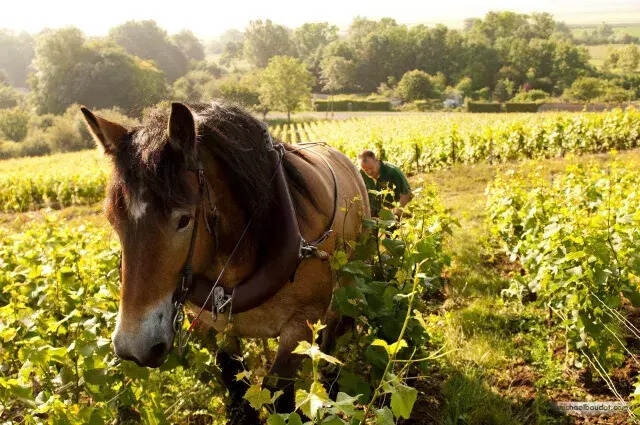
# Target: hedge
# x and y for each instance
(483, 107)
(352, 105)
(521, 106)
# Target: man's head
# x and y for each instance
(369, 163)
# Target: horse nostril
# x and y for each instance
(157, 351)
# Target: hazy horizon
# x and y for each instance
(208, 21)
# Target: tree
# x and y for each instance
(147, 40)
(16, 53)
(99, 74)
(629, 58)
(9, 97)
(310, 40)
(264, 40)
(209, 67)
(286, 84)
(14, 123)
(504, 90)
(313, 36)
(611, 61)
(336, 73)
(416, 85)
(465, 87)
(242, 91)
(388, 51)
(189, 45)
(231, 51)
(543, 25)
(191, 86)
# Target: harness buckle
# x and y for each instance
(310, 249)
(221, 299)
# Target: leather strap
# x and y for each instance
(281, 250)
(284, 252)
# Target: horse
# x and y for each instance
(216, 167)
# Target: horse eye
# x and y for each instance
(184, 221)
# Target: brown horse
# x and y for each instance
(155, 199)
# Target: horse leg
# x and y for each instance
(239, 412)
(286, 364)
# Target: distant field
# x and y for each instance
(631, 29)
(599, 52)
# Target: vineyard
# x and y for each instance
(514, 283)
(577, 237)
(416, 143)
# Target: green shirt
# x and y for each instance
(390, 177)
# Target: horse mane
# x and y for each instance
(149, 162)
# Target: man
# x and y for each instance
(379, 175)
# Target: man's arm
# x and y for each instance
(404, 192)
(405, 198)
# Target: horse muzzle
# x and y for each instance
(148, 341)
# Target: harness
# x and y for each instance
(261, 285)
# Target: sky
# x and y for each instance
(211, 18)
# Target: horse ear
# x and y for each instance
(182, 128)
(106, 133)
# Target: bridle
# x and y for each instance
(221, 299)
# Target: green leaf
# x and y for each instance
(348, 301)
(391, 349)
(354, 385)
(313, 351)
(384, 417)
(377, 356)
(133, 371)
(310, 402)
(332, 420)
(95, 376)
(357, 268)
(257, 396)
(394, 246)
(275, 419)
(294, 419)
(402, 400)
(242, 375)
(347, 405)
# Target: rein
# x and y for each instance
(250, 295)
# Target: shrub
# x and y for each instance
(417, 85)
(236, 91)
(9, 97)
(9, 149)
(323, 105)
(615, 94)
(596, 89)
(531, 96)
(35, 144)
(521, 107)
(14, 123)
(465, 86)
(65, 136)
(504, 90)
(483, 107)
(422, 105)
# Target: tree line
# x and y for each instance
(500, 56)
